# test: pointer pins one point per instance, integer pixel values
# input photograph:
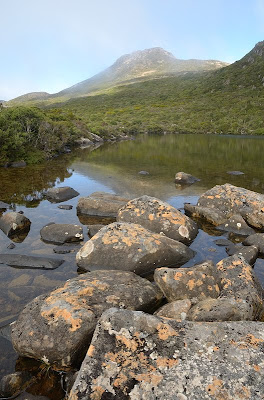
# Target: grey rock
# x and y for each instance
(65, 249)
(158, 216)
(32, 262)
(56, 195)
(17, 164)
(256, 240)
(142, 357)
(12, 223)
(221, 309)
(182, 178)
(3, 205)
(12, 384)
(238, 281)
(175, 310)
(231, 200)
(59, 326)
(197, 282)
(211, 215)
(250, 253)
(11, 246)
(101, 204)
(61, 233)
(143, 173)
(236, 224)
(235, 173)
(223, 242)
(131, 247)
(93, 229)
(65, 207)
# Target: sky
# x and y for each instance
(49, 45)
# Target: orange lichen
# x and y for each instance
(55, 313)
(91, 350)
(163, 362)
(177, 276)
(165, 331)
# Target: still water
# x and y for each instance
(115, 168)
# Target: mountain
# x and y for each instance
(248, 72)
(29, 97)
(139, 65)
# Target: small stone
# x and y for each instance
(65, 207)
(143, 173)
(11, 246)
(182, 178)
(235, 173)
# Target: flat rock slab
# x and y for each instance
(61, 233)
(197, 282)
(181, 178)
(101, 204)
(12, 223)
(32, 262)
(230, 200)
(139, 356)
(3, 205)
(56, 195)
(158, 216)
(58, 326)
(67, 248)
(131, 247)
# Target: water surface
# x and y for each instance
(115, 168)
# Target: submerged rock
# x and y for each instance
(182, 178)
(61, 233)
(131, 247)
(65, 207)
(196, 283)
(23, 261)
(12, 223)
(230, 200)
(67, 248)
(158, 216)
(101, 204)
(57, 327)
(139, 356)
(56, 195)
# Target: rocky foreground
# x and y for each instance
(183, 333)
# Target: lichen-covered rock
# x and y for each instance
(138, 356)
(131, 247)
(197, 282)
(175, 310)
(238, 281)
(256, 240)
(57, 327)
(56, 195)
(61, 233)
(236, 224)
(182, 178)
(221, 309)
(250, 253)
(101, 204)
(12, 223)
(158, 216)
(230, 200)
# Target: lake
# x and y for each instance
(114, 168)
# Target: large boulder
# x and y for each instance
(61, 233)
(195, 283)
(139, 356)
(101, 204)
(182, 178)
(130, 247)
(56, 195)
(229, 200)
(57, 327)
(158, 216)
(13, 222)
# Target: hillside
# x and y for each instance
(140, 65)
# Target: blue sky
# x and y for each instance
(48, 45)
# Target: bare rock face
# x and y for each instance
(181, 178)
(61, 233)
(57, 195)
(230, 200)
(139, 356)
(101, 204)
(196, 283)
(130, 247)
(12, 223)
(158, 216)
(57, 327)
(175, 310)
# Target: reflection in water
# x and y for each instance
(115, 168)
